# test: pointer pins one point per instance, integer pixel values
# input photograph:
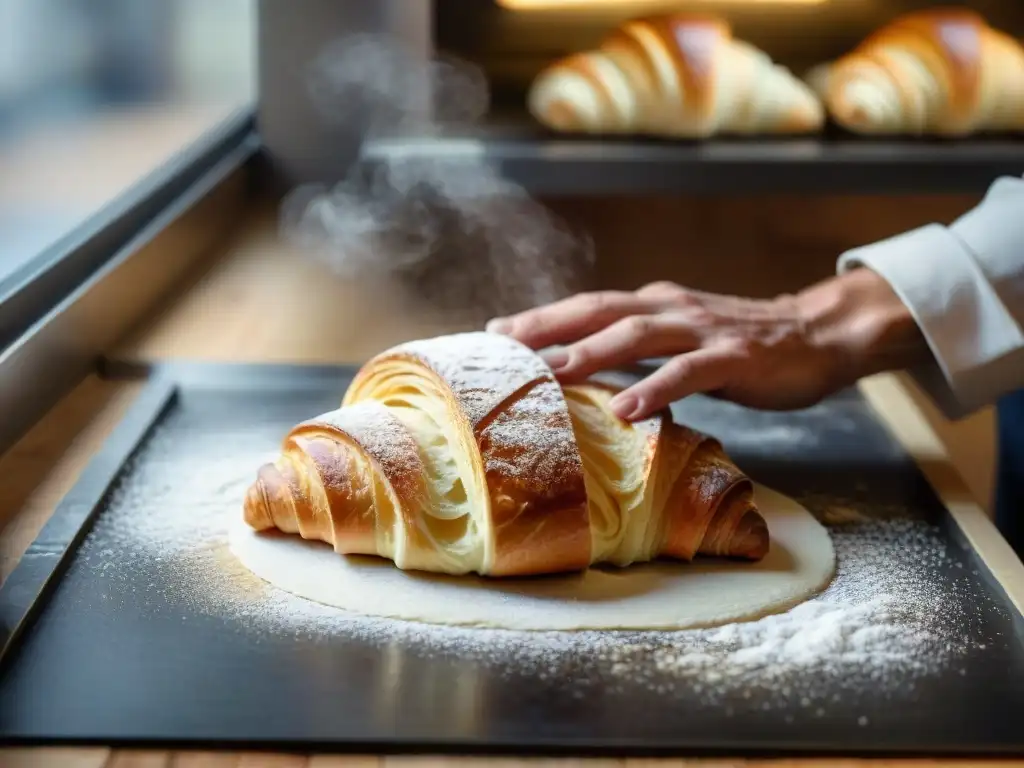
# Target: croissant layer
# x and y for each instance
(673, 75)
(943, 71)
(463, 454)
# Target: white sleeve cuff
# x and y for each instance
(965, 324)
(993, 231)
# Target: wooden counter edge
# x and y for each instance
(887, 394)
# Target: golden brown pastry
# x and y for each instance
(463, 454)
(673, 75)
(942, 72)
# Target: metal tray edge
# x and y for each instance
(39, 569)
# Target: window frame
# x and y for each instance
(56, 314)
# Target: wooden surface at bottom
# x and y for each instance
(108, 758)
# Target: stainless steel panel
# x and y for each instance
(307, 141)
(64, 345)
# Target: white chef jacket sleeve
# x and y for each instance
(964, 285)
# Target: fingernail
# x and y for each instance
(624, 406)
(555, 358)
(498, 325)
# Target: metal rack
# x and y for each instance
(553, 165)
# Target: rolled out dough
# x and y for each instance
(662, 595)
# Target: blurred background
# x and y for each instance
(97, 94)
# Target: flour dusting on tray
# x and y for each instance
(883, 624)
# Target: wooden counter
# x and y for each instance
(261, 302)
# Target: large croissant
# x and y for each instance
(942, 72)
(673, 75)
(463, 454)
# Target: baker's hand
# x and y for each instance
(783, 353)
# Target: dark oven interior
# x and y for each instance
(511, 40)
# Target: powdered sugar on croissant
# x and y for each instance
(462, 454)
(673, 75)
(940, 72)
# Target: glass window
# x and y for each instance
(97, 94)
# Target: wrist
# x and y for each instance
(860, 325)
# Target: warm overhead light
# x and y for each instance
(543, 5)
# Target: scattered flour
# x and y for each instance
(882, 624)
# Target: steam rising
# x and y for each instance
(450, 229)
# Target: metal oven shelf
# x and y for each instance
(547, 164)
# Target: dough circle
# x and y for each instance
(663, 595)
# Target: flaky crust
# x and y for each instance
(541, 479)
(942, 71)
(702, 503)
(710, 509)
(364, 462)
(510, 408)
(675, 74)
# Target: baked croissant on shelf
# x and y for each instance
(673, 75)
(941, 72)
(463, 454)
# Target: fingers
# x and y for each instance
(662, 290)
(571, 319)
(623, 342)
(608, 329)
(703, 370)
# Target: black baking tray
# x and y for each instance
(128, 661)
